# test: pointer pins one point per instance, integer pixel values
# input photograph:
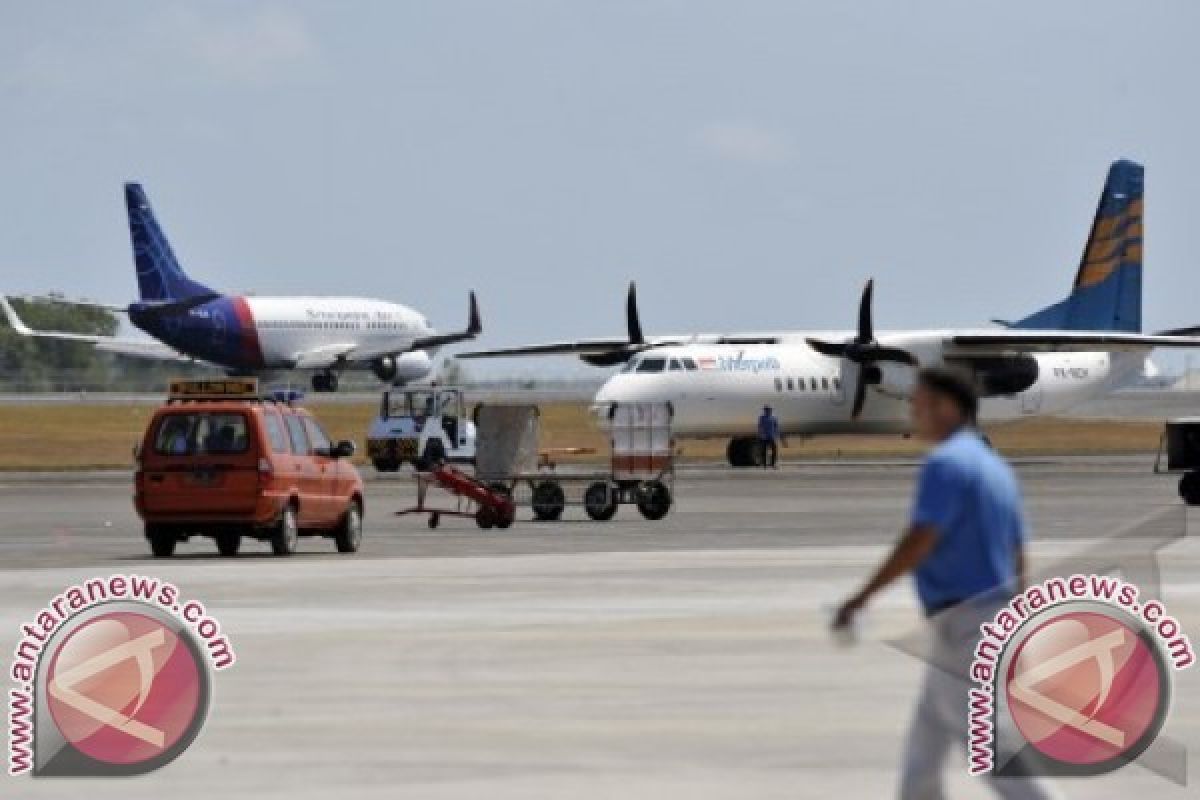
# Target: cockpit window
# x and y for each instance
(652, 365)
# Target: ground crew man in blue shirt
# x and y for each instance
(965, 545)
(768, 437)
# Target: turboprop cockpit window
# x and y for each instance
(652, 365)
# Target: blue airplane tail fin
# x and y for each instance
(1107, 295)
(160, 278)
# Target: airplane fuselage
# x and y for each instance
(258, 333)
(720, 390)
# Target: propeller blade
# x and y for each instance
(631, 316)
(610, 358)
(866, 328)
(860, 396)
(831, 349)
(893, 354)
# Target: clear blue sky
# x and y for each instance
(749, 163)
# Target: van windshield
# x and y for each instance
(201, 433)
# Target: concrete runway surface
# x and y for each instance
(684, 658)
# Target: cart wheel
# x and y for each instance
(549, 500)
(654, 500)
(386, 465)
(504, 520)
(485, 517)
(435, 519)
(1189, 488)
(600, 501)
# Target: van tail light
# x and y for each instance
(265, 470)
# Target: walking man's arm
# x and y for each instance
(913, 548)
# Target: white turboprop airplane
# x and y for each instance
(859, 381)
(190, 322)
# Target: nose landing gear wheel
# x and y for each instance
(325, 382)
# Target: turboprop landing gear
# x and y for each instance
(744, 451)
(325, 382)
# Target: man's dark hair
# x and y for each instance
(955, 385)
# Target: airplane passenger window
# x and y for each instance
(813, 383)
(778, 385)
(825, 384)
(800, 384)
(837, 384)
(652, 365)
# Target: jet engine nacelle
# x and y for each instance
(1004, 375)
(402, 368)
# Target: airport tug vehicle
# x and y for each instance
(511, 471)
(423, 427)
(1180, 447)
(221, 461)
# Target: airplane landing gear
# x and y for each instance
(325, 382)
(744, 451)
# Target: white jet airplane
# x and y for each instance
(190, 322)
(859, 381)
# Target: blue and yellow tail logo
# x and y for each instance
(1107, 295)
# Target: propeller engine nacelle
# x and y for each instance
(402, 368)
(1004, 375)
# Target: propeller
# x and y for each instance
(637, 341)
(865, 351)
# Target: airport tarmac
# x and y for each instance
(630, 659)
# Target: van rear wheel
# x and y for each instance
(286, 534)
(228, 543)
(162, 542)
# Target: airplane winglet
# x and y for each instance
(474, 321)
(11, 315)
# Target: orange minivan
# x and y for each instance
(219, 461)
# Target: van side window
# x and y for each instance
(675, 365)
(295, 429)
(275, 432)
(689, 364)
(320, 442)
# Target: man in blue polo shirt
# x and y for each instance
(965, 546)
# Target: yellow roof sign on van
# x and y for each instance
(227, 389)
